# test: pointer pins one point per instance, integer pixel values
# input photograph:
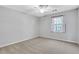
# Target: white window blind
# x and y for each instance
(57, 24)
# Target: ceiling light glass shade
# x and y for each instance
(42, 10)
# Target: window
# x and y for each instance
(57, 24)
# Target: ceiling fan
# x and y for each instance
(42, 8)
(45, 8)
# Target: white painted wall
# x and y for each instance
(15, 26)
(70, 19)
(78, 27)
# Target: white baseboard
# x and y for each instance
(36, 37)
(18, 41)
(60, 39)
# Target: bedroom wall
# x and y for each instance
(70, 19)
(78, 26)
(15, 26)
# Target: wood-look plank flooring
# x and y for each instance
(41, 46)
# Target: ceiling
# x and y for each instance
(32, 10)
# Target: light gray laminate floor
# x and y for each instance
(41, 46)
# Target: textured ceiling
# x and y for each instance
(32, 10)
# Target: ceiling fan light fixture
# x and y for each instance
(42, 8)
